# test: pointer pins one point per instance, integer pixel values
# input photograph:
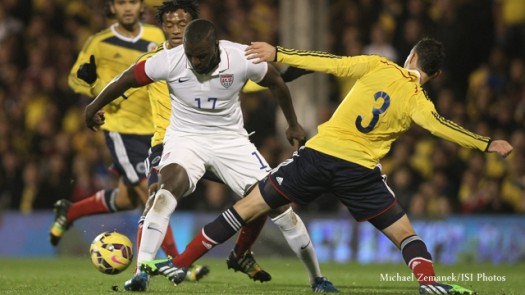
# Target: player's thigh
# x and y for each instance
(362, 190)
(128, 152)
(300, 179)
(188, 152)
(238, 163)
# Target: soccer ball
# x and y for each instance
(111, 252)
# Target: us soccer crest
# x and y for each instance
(226, 80)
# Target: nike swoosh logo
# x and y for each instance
(114, 259)
(304, 247)
(156, 229)
(181, 80)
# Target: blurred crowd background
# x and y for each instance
(47, 154)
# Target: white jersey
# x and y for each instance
(209, 103)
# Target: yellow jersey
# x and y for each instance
(159, 98)
(114, 53)
(251, 87)
(385, 100)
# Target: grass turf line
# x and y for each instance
(74, 275)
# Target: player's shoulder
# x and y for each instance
(98, 37)
(101, 35)
(385, 62)
(234, 50)
(380, 60)
(233, 46)
(176, 52)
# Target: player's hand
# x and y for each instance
(501, 147)
(292, 73)
(260, 52)
(94, 119)
(296, 136)
(88, 71)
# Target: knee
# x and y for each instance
(280, 211)
(164, 202)
(174, 179)
(287, 219)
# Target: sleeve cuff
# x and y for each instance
(488, 144)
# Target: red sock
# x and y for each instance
(168, 244)
(423, 270)
(95, 204)
(199, 246)
(248, 235)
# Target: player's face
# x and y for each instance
(127, 12)
(173, 24)
(204, 57)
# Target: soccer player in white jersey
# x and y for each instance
(206, 132)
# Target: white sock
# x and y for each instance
(299, 241)
(155, 225)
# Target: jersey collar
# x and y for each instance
(128, 39)
(416, 73)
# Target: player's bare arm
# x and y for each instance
(93, 116)
(295, 132)
(500, 147)
(260, 52)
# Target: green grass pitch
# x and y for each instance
(77, 276)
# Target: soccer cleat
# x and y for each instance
(61, 224)
(196, 272)
(439, 288)
(138, 283)
(249, 266)
(323, 285)
(166, 268)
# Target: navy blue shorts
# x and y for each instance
(129, 152)
(309, 174)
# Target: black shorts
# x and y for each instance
(152, 163)
(309, 174)
(129, 152)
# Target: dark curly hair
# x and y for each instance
(190, 6)
(430, 55)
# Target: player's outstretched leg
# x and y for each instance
(166, 268)
(395, 224)
(440, 288)
(138, 283)
(247, 264)
(61, 223)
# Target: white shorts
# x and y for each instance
(233, 158)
